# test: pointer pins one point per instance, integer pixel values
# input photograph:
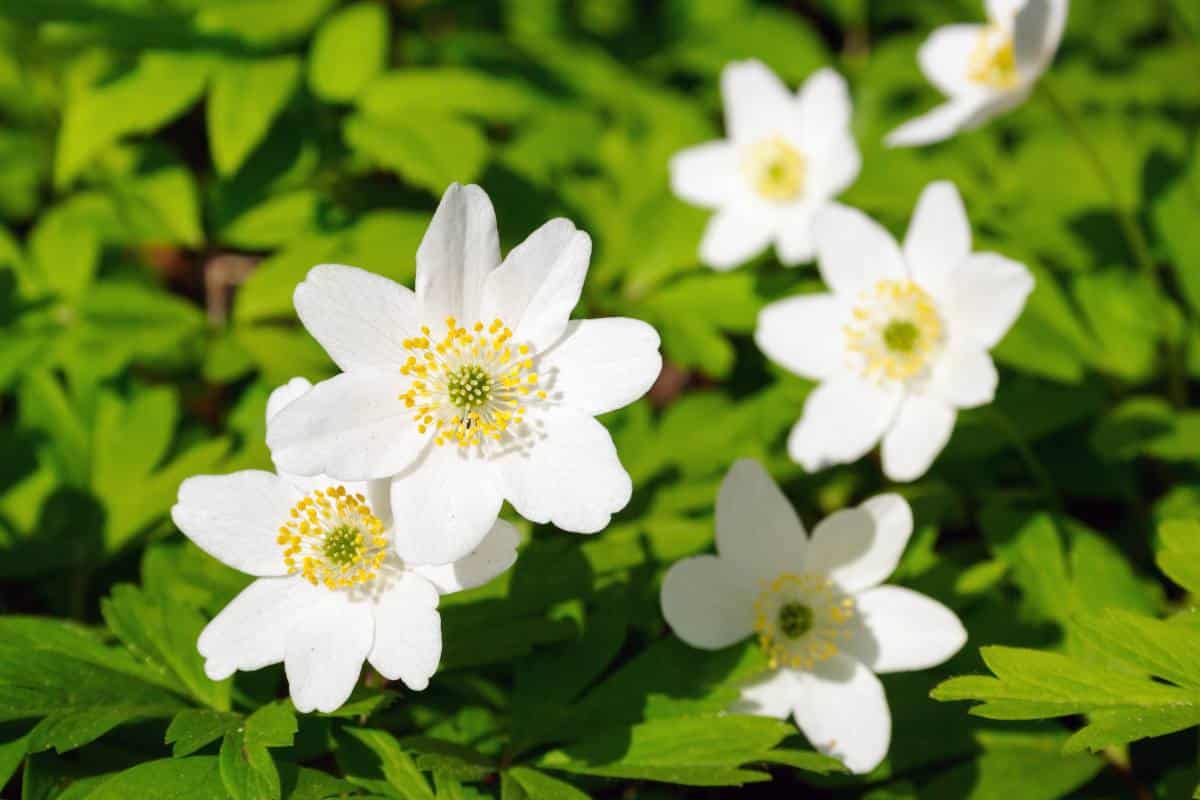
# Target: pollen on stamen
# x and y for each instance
(332, 538)
(470, 387)
(894, 330)
(802, 620)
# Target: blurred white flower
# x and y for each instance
(817, 608)
(984, 70)
(785, 157)
(330, 592)
(901, 342)
(472, 390)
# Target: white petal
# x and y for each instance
(361, 319)
(945, 58)
(905, 630)
(939, 237)
(757, 103)
(707, 602)
(843, 419)
(941, 123)
(495, 554)
(794, 242)
(707, 175)
(1037, 31)
(854, 251)
(458, 251)
(601, 364)
(353, 426)
(1002, 12)
(285, 394)
(833, 171)
(774, 695)
(538, 285)
(860, 547)
(734, 235)
(804, 335)
(986, 295)
(965, 377)
(251, 632)
(408, 630)
(844, 713)
(918, 435)
(758, 531)
(325, 650)
(235, 518)
(825, 110)
(444, 505)
(569, 475)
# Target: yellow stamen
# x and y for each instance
(802, 620)
(336, 539)
(775, 168)
(895, 329)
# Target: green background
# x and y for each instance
(170, 169)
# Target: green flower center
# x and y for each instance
(469, 387)
(343, 545)
(901, 335)
(795, 620)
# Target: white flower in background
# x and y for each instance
(787, 155)
(330, 592)
(472, 390)
(984, 70)
(817, 608)
(901, 342)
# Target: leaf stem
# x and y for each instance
(1129, 227)
(1036, 468)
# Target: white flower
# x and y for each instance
(330, 593)
(786, 156)
(473, 390)
(817, 608)
(985, 70)
(901, 342)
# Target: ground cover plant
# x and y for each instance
(541, 400)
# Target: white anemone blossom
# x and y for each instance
(984, 70)
(330, 592)
(818, 609)
(472, 390)
(900, 342)
(785, 157)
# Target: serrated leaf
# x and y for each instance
(193, 728)
(431, 153)
(1179, 554)
(246, 98)
(533, 785)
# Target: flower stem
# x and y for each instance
(1129, 227)
(1036, 468)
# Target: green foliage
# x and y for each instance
(171, 169)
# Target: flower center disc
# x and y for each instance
(895, 329)
(775, 168)
(331, 537)
(993, 62)
(470, 385)
(802, 620)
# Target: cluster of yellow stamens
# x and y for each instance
(470, 385)
(775, 168)
(993, 62)
(802, 620)
(895, 328)
(332, 538)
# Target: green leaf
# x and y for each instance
(431, 153)
(159, 87)
(1015, 764)
(1131, 704)
(695, 751)
(1179, 552)
(76, 701)
(248, 772)
(533, 785)
(195, 778)
(246, 98)
(414, 94)
(388, 760)
(64, 252)
(349, 49)
(193, 728)
(163, 632)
